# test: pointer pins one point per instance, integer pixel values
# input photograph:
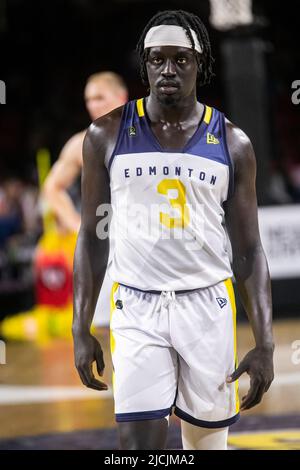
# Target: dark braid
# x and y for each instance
(186, 20)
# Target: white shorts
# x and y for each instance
(174, 349)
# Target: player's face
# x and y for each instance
(172, 73)
(101, 98)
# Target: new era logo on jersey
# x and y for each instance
(221, 301)
(211, 139)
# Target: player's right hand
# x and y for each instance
(87, 350)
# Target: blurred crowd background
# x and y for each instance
(49, 49)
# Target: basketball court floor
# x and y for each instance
(44, 406)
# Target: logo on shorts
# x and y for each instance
(119, 304)
(221, 301)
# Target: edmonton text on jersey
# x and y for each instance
(167, 171)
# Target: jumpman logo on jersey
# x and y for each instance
(221, 301)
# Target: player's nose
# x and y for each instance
(169, 69)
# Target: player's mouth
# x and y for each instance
(168, 88)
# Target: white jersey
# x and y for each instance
(167, 229)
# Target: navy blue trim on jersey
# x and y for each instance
(208, 141)
(228, 156)
(205, 424)
(141, 415)
(131, 143)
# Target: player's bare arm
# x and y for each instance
(63, 174)
(91, 254)
(250, 267)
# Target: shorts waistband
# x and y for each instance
(160, 291)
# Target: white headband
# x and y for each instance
(170, 35)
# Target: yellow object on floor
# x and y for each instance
(39, 324)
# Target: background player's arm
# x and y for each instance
(250, 267)
(63, 174)
(91, 254)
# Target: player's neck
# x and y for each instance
(185, 110)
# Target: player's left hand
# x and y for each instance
(258, 363)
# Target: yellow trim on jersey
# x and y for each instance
(230, 291)
(207, 115)
(140, 107)
(112, 338)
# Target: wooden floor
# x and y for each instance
(40, 391)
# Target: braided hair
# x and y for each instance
(186, 20)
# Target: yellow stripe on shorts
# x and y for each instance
(112, 309)
(230, 291)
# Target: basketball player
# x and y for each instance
(104, 91)
(175, 172)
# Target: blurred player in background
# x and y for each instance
(103, 92)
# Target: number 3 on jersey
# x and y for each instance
(178, 203)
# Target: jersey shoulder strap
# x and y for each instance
(132, 137)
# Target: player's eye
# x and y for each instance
(181, 60)
(156, 60)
